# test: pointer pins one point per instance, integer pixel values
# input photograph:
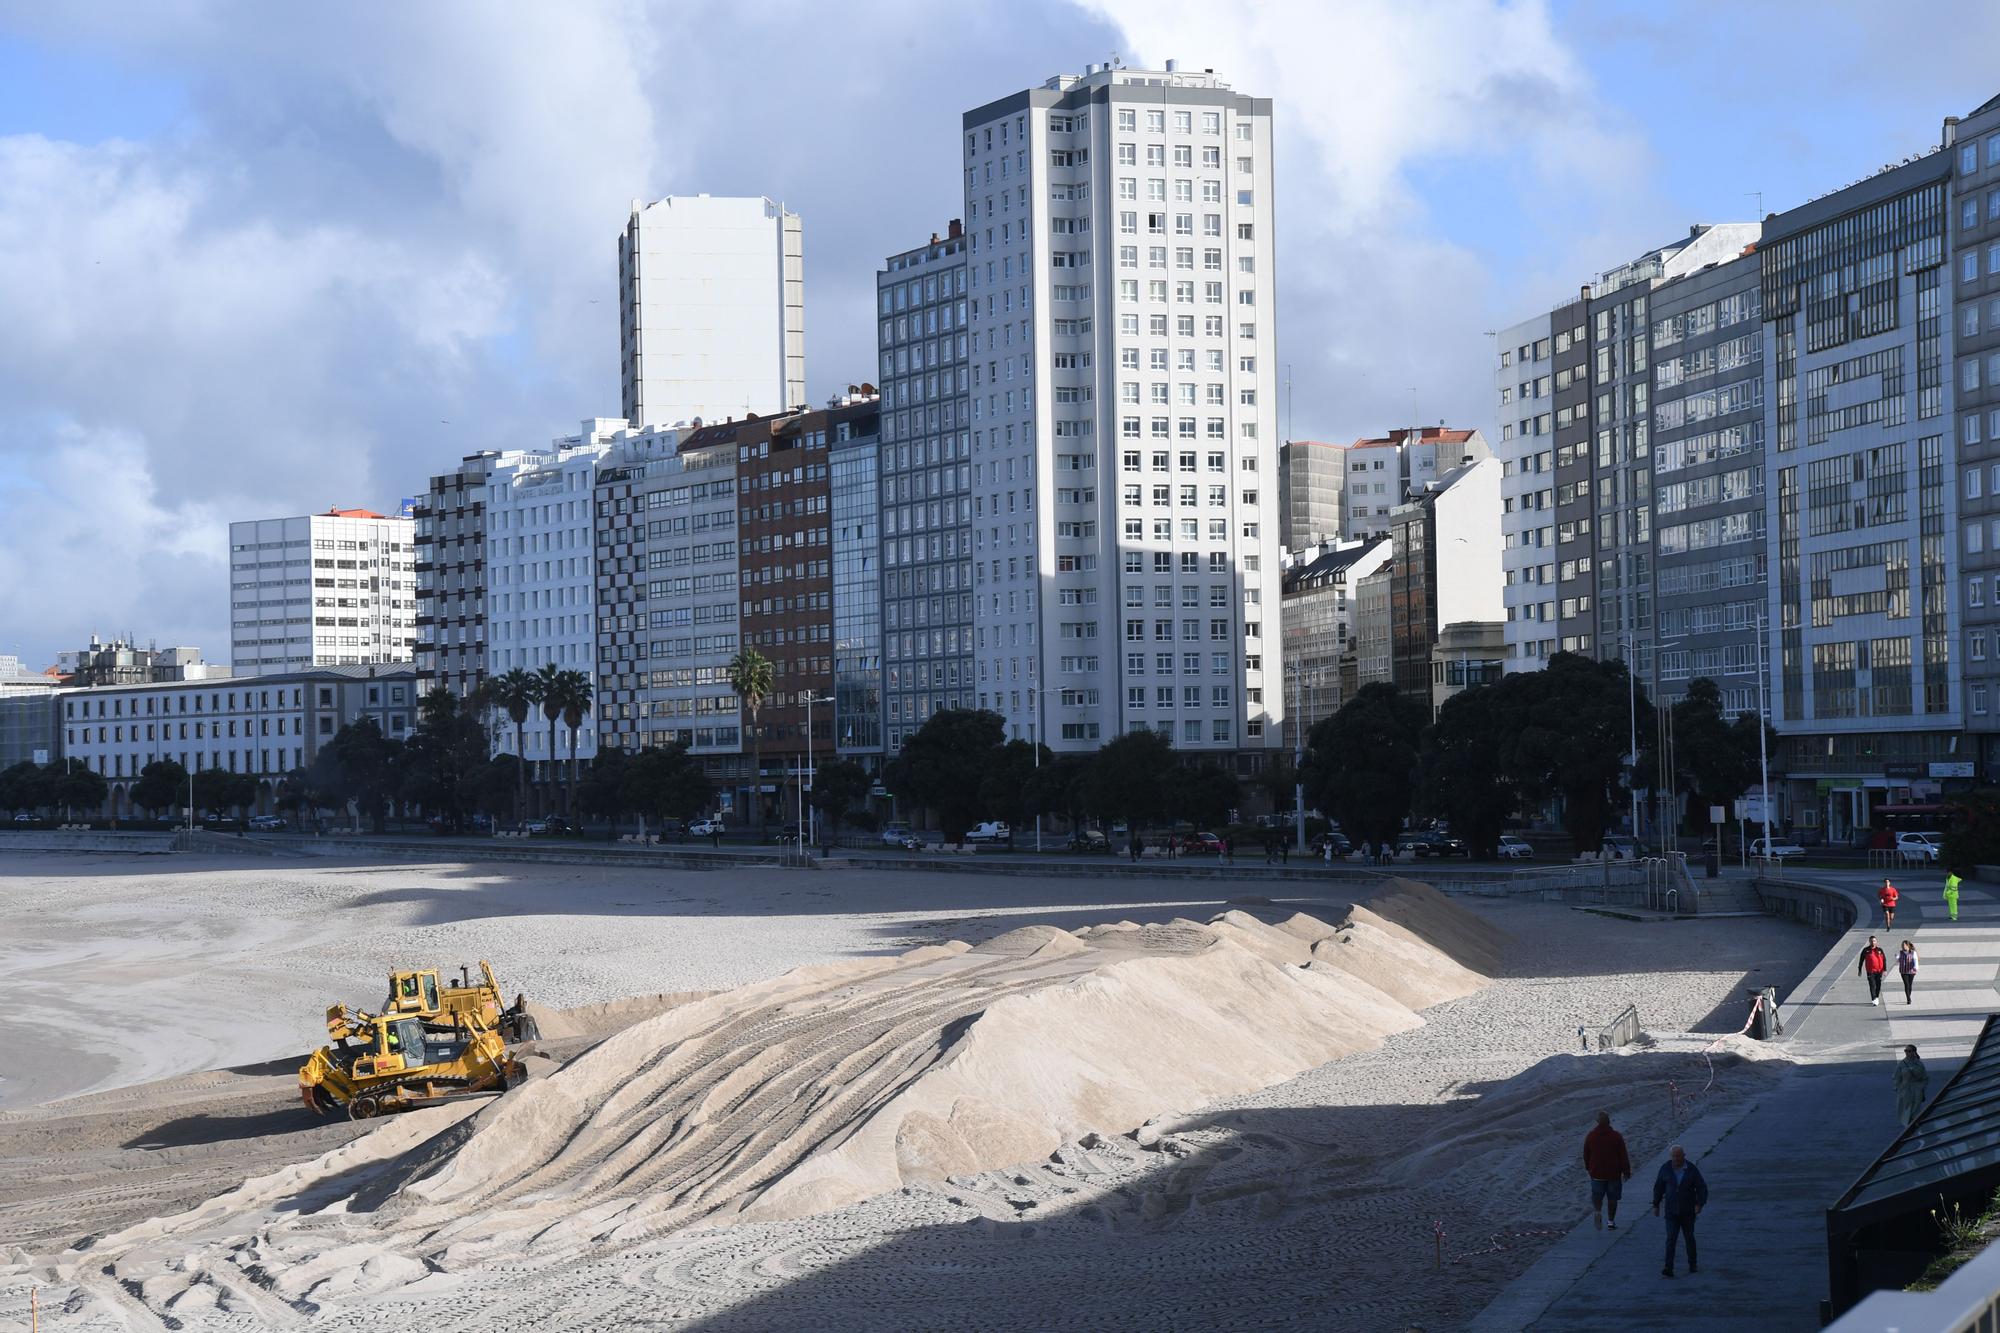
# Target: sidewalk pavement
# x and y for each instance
(1774, 1166)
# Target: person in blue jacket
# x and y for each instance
(1682, 1191)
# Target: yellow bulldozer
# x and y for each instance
(432, 1041)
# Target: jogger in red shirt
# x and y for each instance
(1888, 896)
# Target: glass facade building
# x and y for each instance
(925, 475)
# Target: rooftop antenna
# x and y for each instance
(1758, 195)
(1288, 400)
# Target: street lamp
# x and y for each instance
(807, 817)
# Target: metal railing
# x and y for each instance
(1966, 1302)
(1620, 1031)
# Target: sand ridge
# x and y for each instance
(816, 1089)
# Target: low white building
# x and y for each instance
(332, 589)
(264, 726)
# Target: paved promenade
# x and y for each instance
(1774, 1167)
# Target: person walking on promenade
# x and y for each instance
(1887, 896)
(1951, 882)
(1680, 1187)
(1906, 967)
(1609, 1166)
(1136, 845)
(1872, 965)
(1913, 1084)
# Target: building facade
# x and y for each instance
(1373, 660)
(120, 663)
(1974, 144)
(668, 571)
(265, 726)
(711, 304)
(1388, 470)
(1524, 361)
(1312, 486)
(1468, 653)
(1320, 583)
(925, 473)
(1441, 568)
(1856, 291)
(1122, 320)
(452, 576)
(332, 589)
(1708, 452)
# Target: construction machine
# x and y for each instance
(431, 1042)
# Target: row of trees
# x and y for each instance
(961, 766)
(561, 694)
(1560, 735)
(67, 785)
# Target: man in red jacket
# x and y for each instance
(1873, 964)
(1608, 1166)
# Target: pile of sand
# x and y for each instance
(818, 1088)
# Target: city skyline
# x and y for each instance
(352, 282)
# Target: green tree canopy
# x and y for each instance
(1127, 779)
(1715, 760)
(162, 785)
(444, 757)
(1005, 792)
(218, 791)
(666, 782)
(77, 787)
(1564, 732)
(360, 765)
(944, 765)
(840, 785)
(1361, 762)
(1462, 778)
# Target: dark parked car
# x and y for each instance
(1341, 846)
(1425, 843)
(1089, 840)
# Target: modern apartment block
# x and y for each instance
(1622, 421)
(1374, 662)
(332, 589)
(711, 305)
(667, 570)
(925, 629)
(1525, 374)
(1860, 502)
(1974, 143)
(452, 576)
(1312, 486)
(1320, 585)
(1124, 465)
(1389, 470)
(1441, 569)
(1708, 456)
(265, 726)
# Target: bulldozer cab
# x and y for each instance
(392, 1045)
(413, 992)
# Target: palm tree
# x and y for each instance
(750, 677)
(518, 692)
(549, 680)
(576, 703)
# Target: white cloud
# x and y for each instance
(1375, 298)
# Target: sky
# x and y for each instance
(258, 260)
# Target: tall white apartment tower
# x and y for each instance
(332, 589)
(1123, 413)
(711, 309)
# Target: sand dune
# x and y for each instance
(813, 1090)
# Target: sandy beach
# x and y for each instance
(1329, 1088)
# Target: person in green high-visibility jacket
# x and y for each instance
(1951, 894)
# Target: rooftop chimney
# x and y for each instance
(1173, 65)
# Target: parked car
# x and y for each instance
(1618, 847)
(1918, 848)
(991, 830)
(1514, 848)
(707, 828)
(1341, 846)
(1191, 843)
(1776, 849)
(1426, 843)
(549, 826)
(25, 818)
(267, 823)
(895, 835)
(1089, 840)
(671, 830)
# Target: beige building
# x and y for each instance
(1468, 653)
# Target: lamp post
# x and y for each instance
(1763, 761)
(1298, 755)
(808, 821)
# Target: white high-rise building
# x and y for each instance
(711, 306)
(332, 589)
(1123, 413)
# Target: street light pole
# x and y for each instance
(1763, 724)
(808, 817)
(1632, 706)
(1298, 755)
